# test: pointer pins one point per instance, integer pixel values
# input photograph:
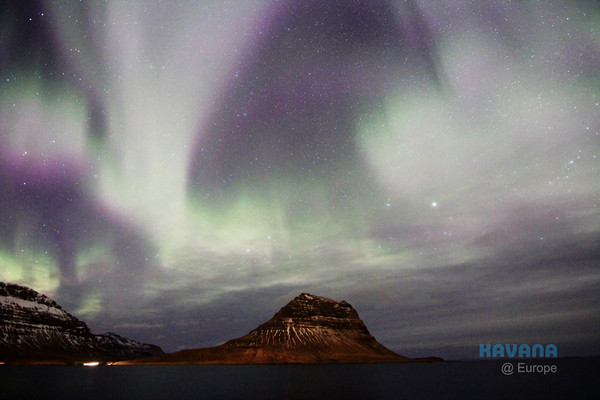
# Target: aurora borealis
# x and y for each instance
(177, 171)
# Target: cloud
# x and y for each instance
(133, 325)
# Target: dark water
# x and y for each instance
(574, 379)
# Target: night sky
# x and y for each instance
(177, 171)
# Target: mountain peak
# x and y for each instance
(24, 293)
(311, 297)
(34, 328)
(317, 305)
(309, 329)
(309, 322)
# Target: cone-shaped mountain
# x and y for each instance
(309, 329)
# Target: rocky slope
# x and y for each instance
(309, 329)
(122, 348)
(34, 328)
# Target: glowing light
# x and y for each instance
(91, 364)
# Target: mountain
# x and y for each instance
(34, 328)
(123, 348)
(309, 329)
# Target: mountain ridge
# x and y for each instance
(36, 329)
(308, 330)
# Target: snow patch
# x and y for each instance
(32, 305)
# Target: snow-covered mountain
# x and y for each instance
(34, 327)
(126, 349)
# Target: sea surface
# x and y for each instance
(573, 379)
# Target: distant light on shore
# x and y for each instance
(91, 364)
